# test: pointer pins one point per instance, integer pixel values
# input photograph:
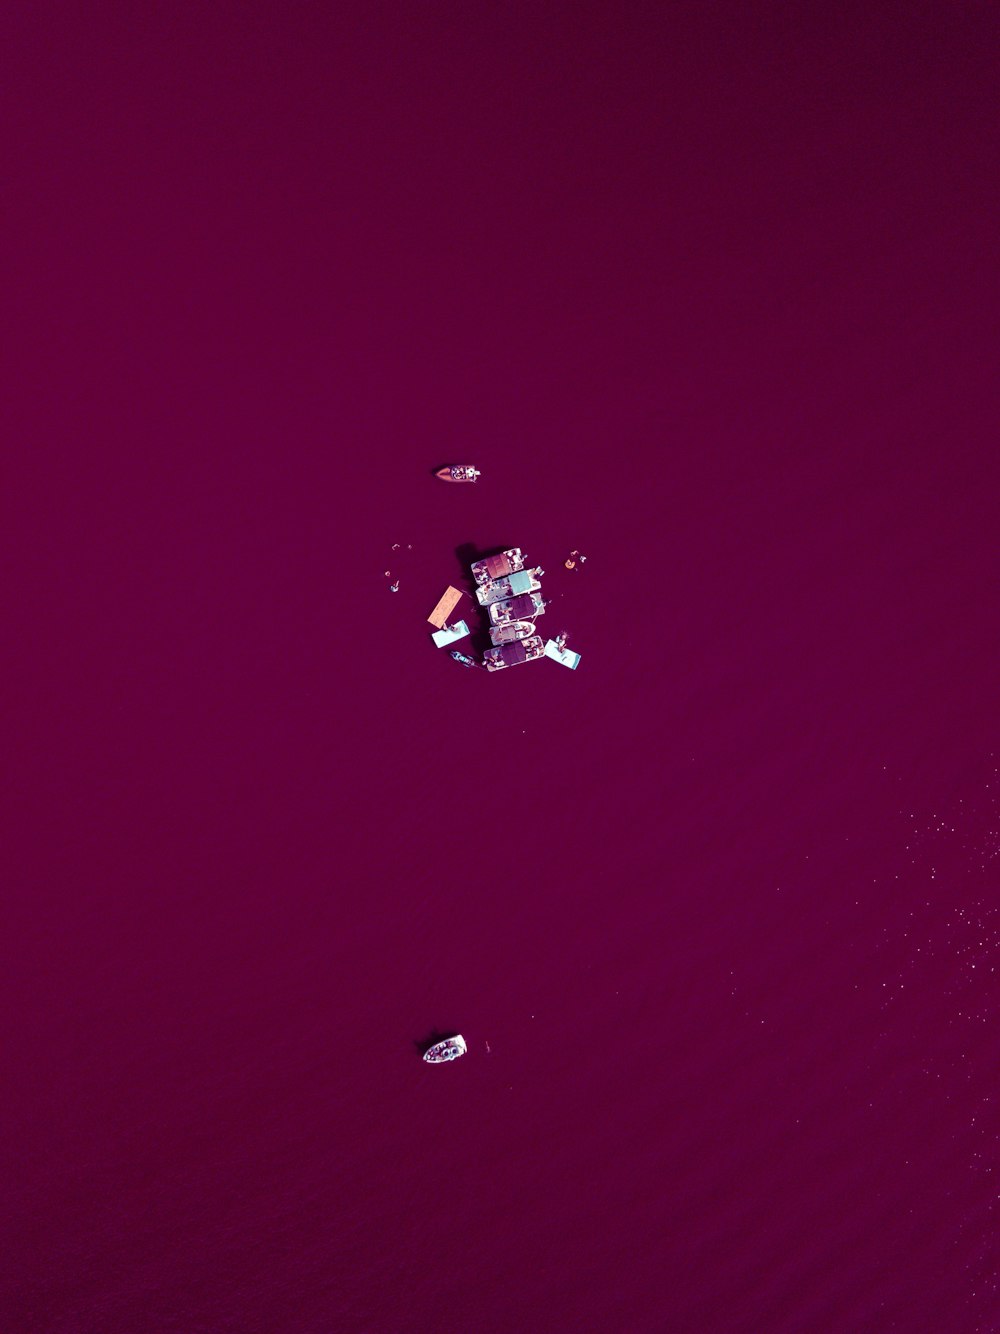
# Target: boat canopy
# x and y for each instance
(497, 567)
(523, 608)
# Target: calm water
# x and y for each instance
(707, 293)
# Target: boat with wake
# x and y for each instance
(458, 472)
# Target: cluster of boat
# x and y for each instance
(510, 594)
(509, 591)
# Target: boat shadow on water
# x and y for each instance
(435, 1036)
(467, 553)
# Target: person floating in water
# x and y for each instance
(394, 588)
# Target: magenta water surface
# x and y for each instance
(708, 294)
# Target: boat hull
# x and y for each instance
(458, 473)
(525, 607)
(450, 1049)
(499, 566)
(510, 586)
(512, 655)
(507, 634)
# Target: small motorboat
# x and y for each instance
(523, 650)
(461, 657)
(448, 1050)
(507, 634)
(459, 472)
(498, 567)
(525, 607)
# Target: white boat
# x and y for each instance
(459, 472)
(498, 567)
(448, 1050)
(498, 590)
(507, 634)
(525, 607)
(511, 655)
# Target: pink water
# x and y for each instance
(708, 293)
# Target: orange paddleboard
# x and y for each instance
(450, 599)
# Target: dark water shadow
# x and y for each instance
(467, 553)
(479, 640)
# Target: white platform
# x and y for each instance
(450, 634)
(564, 655)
